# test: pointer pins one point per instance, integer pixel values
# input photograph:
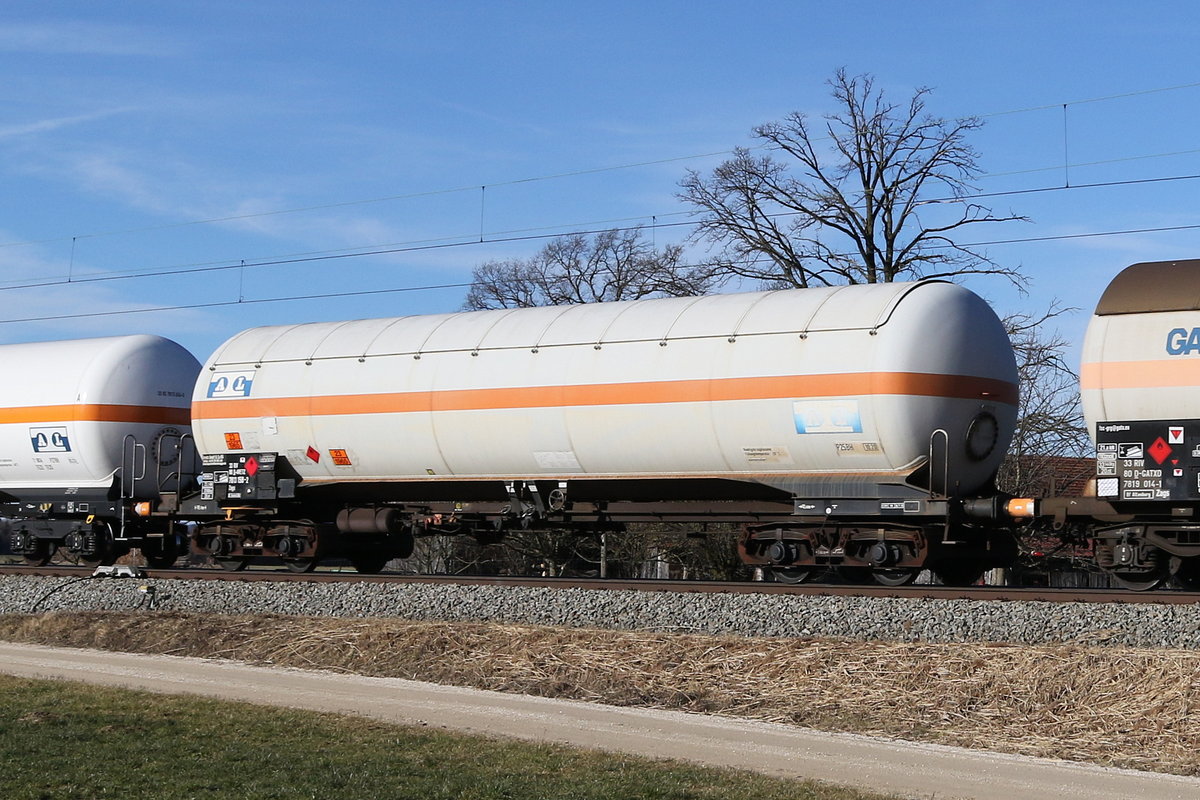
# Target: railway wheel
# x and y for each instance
(1152, 568)
(963, 573)
(160, 553)
(895, 577)
(40, 555)
(105, 551)
(792, 575)
(232, 563)
(300, 564)
(1138, 581)
(369, 564)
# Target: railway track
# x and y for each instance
(1003, 593)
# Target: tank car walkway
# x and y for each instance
(911, 770)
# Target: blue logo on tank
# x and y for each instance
(827, 416)
(230, 384)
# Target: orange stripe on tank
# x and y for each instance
(96, 412)
(605, 394)
(1159, 374)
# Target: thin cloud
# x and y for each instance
(85, 38)
(54, 123)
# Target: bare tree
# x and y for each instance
(872, 194)
(582, 268)
(878, 192)
(1051, 438)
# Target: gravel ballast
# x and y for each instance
(798, 616)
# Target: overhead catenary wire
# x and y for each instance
(503, 237)
(461, 285)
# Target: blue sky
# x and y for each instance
(144, 137)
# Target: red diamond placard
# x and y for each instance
(1160, 450)
(251, 466)
(314, 455)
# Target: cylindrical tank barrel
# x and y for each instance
(1141, 353)
(72, 412)
(768, 387)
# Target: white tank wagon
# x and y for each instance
(819, 402)
(89, 437)
(1141, 352)
(1140, 383)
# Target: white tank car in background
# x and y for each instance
(766, 387)
(83, 424)
(1140, 382)
(740, 407)
(1141, 353)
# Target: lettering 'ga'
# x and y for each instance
(1181, 341)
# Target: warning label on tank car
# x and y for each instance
(1148, 460)
(1131, 450)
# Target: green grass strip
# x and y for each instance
(64, 741)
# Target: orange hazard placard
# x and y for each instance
(233, 441)
(341, 458)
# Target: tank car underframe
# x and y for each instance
(373, 522)
(883, 532)
(1140, 545)
(90, 529)
(371, 535)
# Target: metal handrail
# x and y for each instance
(945, 437)
(128, 476)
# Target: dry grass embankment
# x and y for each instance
(1123, 707)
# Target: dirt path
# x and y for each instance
(914, 770)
